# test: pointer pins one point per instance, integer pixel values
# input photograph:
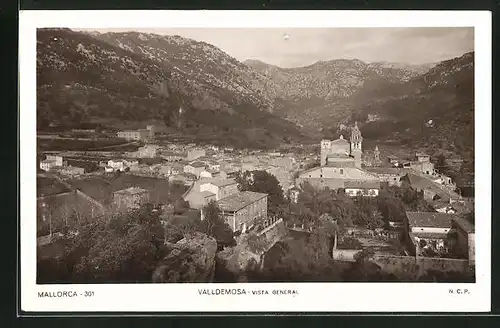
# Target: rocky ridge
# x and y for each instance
(133, 77)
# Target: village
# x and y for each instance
(182, 178)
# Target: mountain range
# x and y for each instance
(137, 76)
(134, 77)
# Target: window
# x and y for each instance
(341, 171)
(321, 175)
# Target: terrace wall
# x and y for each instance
(405, 266)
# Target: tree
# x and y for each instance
(213, 225)
(115, 248)
(441, 163)
(299, 260)
(470, 217)
(177, 228)
(263, 182)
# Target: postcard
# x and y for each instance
(255, 161)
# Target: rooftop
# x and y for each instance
(386, 170)
(421, 155)
(339, 155)
(340, 164)
(340, 140)
(464, 224)
(421, 182)
(221, 182)
(206, 194)
(237, 201)
(131, 191)
(430, 219)
(197, 164)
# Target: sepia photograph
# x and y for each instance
(241, 156)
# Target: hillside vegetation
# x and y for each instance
(83, 78)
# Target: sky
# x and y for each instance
(306, 46)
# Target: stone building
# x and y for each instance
(244, 209)
(334, 177)
(130, 198)
(422, 164)
(194, 154)
(147, 151)
(195, 168)
(71, 170)
(440, 232)
(117, 165)
(240, 209)
(390, 175)
(362, 188)
(342, 151)
(465, 238)
(336, 151)
(50, 162)
(428, 230)
(133, 135)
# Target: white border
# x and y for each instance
(340, 297)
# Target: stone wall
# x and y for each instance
(407, 266)
(275, 233)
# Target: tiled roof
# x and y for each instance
(362, 184)
(430, 219)
(237, 201)
(340, 141)
(222, 182)
(206, 194)
(197, 164)
(420, 182)
(340, 164)
(464, 224)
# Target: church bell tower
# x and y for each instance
(356, 145)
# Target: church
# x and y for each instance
(340, 167)
(342, 152)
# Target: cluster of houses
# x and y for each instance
(442, 233)
(342, 166)
(54, 163)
